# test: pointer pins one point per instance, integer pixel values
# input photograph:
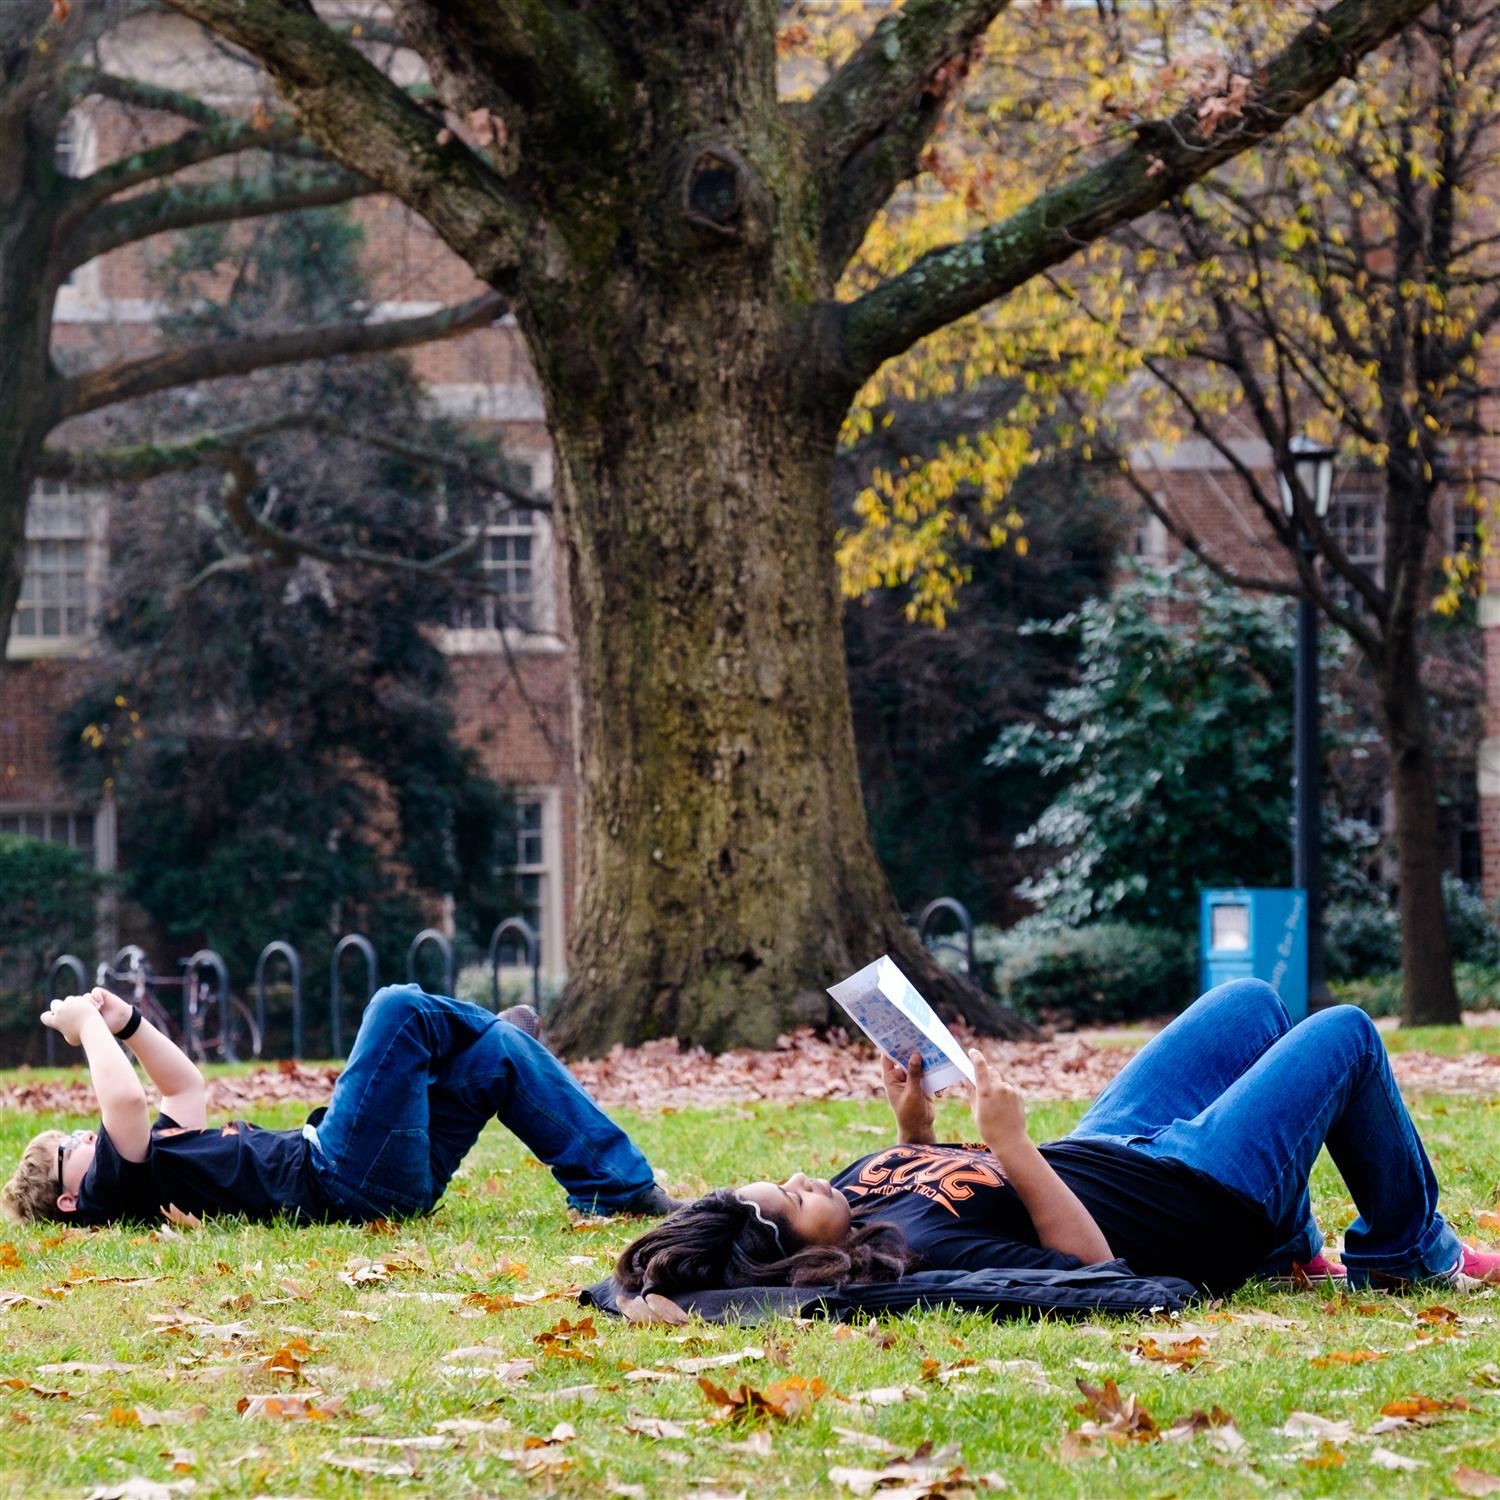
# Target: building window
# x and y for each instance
(517, 567)
(1465, 526)
(538, 879)
(508, 563)
(55, 604)
(73, 157)
(66, 157)
(1149, 544)
(54, 826)
(1357, 522)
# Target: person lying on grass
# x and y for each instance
(424, 1076)
(1192, 1163)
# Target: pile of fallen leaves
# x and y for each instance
(802, 1065)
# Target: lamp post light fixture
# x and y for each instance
(1312, 463)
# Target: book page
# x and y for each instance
(886, 1006)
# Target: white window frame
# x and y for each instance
(80, 296)
(542, 638)
(59, 818)
(1372, 564)
(92, 535)
(551, 927)
(1150, 542)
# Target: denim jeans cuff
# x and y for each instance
(1431, 1259)
(609, 1203)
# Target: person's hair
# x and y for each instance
(31, 1192)
(720, 1240)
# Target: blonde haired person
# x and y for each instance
(425, 1074)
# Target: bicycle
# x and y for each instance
(209, 1026)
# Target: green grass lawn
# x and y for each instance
(160, 1369)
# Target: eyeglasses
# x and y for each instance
(68, 1142)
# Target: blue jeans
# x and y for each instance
(1235, 1091)
(424, 1076)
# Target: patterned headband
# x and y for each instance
(754, 1208)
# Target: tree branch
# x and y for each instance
(366, 121)
(228, 137)
(223, 357)
(137, 462)
(948, 283)
(239, 485)
(892, 72)
(866, 182)
(136, 93)
(188, 205)
(548, 63)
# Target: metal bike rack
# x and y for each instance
(366, 950)
(280, 949)
(64, 961)
(207, 958)
(131, 956)
(965, 949)
(517, 929)
(444, 947)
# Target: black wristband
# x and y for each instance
(132, 1026)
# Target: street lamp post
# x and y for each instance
(1313, 463)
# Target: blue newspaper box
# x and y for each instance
(1256, 933)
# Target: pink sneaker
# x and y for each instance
(1318, 1270)
(1476, 1268)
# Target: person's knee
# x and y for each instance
(392, 1000)
(1346, 1026)
(1245, 994)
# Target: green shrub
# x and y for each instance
(1380, 994)
(1363, 938)
(1472, 928)
(1112, 971)
(47, 896)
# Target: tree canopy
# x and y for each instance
(673, 232)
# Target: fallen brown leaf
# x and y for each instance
(1327, 1457)
(1469, 1481)
(785, 1401)
(655, 1427)
(1414, 1408)
(1184, 1353)
(698, 1364)
(288, 1408)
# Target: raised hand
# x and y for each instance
(998, 1109)
(67, 1017)
(116, 1012)
(910, 1102)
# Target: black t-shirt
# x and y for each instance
(236, 1168)
(958, 1212)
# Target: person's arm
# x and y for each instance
(1060, 1220)
(122, 1100)
(910, 1102)
(183, 1096)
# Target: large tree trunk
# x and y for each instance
(26, 300)
(1428, 994)
(727, 873)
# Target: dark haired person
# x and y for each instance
(1192, 1163)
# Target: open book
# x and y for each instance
(885, 1005)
